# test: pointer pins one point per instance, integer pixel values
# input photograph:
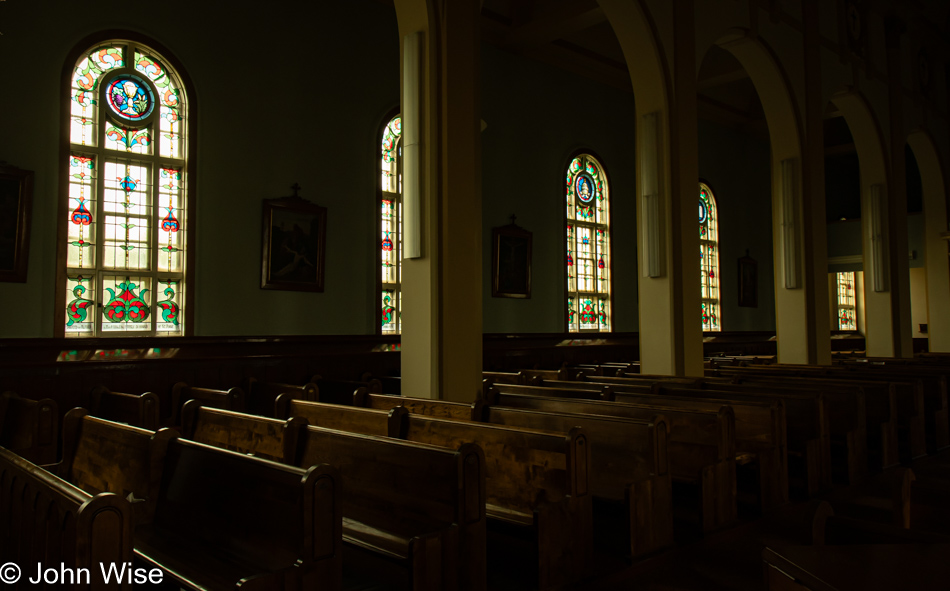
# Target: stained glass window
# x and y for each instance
(390, 226)
(126, 223)
(846, 319)
(588, 246)
(709, 258)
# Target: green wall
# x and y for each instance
(737, 167)
(537, 116)
(282, 97)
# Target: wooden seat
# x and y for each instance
(45, 520)
(29, 428)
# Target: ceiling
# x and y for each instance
(574, 35)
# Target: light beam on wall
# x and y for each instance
(878, 245)
(412, 157)
(650, 174)
(790, 226)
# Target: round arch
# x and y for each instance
(781, 115)
(935, 246)
(873, 166)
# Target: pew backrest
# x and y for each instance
(105, 456)
(367, 421)
(422, 406)
(140, 410)
(230, 399)
(525, 469)
(622, 451)
(271, 439)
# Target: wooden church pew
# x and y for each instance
(29, 428)
(701, 451)
(911, 419)
(808, 429)
(629, 474)
(225, 520)
(420, 507)
(538, 493)
(45, 520)
(760, 437)
(218, 498)
(105, 456)
(537, 483)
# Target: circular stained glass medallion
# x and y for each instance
(702, 212)
(130, 98)
(584, 188)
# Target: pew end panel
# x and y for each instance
(30, 427)
(48, 520)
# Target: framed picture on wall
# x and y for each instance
(511, 262)
(16, 200)
(294, 244)
(748, 282)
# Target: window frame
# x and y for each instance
(718, 243)
(612, 314)
(378, 225)
(63, 204)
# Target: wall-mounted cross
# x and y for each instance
(296, 188)
(512, 218)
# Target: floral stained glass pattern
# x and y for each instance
(846, 302)
(126, 226)
(709, 259)
(390, 225)
(588, 246)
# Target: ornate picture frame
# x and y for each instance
(294, 245)
(16, 203)
(511, 262)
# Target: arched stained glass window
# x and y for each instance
(709, 258)
(125, 230)
(846, 299)
(390, 224)
(588, 246)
